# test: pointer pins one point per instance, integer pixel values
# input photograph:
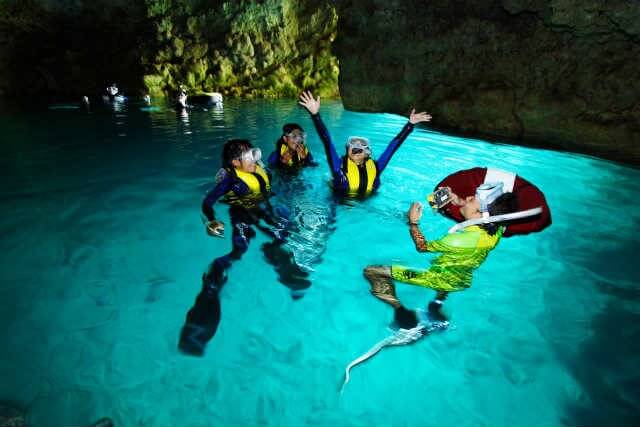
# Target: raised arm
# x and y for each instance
(414, 118)
(313, 106)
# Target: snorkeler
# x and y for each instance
(464, 183)
(114, 95)
(112, 91)
(356, 174)
(461, 253)
(291, 150)
(181, 101)
(245, 186)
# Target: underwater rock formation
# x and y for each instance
(560, 74)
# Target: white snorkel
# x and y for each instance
(486, 194)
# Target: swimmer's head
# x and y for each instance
(290, 127)
(233, 149)
(293, 135)
(240, 154)
(358, 149)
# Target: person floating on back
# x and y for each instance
(291, 152)
(356, 174)
(461, 253)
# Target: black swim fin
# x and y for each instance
(405, 319)
(201, 323)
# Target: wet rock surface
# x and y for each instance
(559, 74)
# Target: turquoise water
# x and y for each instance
(103, 249)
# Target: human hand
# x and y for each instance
(307, 101)
(415, 118)
(215, 228)
(301, 153)
(286, 157)
(455, 199)
(415, 213)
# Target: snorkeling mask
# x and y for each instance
(358, 144)
(486, 194)
(252, 155)
(300, 137)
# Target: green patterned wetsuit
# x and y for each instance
(461, 254)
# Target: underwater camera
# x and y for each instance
(439, 198)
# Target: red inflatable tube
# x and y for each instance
(464, 184)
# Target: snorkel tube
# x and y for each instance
(496, 218)
(486, 194)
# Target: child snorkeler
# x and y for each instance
(356, 174)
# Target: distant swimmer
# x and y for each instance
(112, 91)
(84, 103)
(216, 99)
(181, 102)
(356, 174)
(291, 150)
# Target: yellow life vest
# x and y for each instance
(353, 176)
(252, 181)
(283, 149)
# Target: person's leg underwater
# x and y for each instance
(216, 275)
(203, 318)
(435, 307)
(382, 287)
(281, 258)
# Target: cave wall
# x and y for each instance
(270, 48)
(553, 73)
(560, 74)
(68, 48)
(65, 49)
